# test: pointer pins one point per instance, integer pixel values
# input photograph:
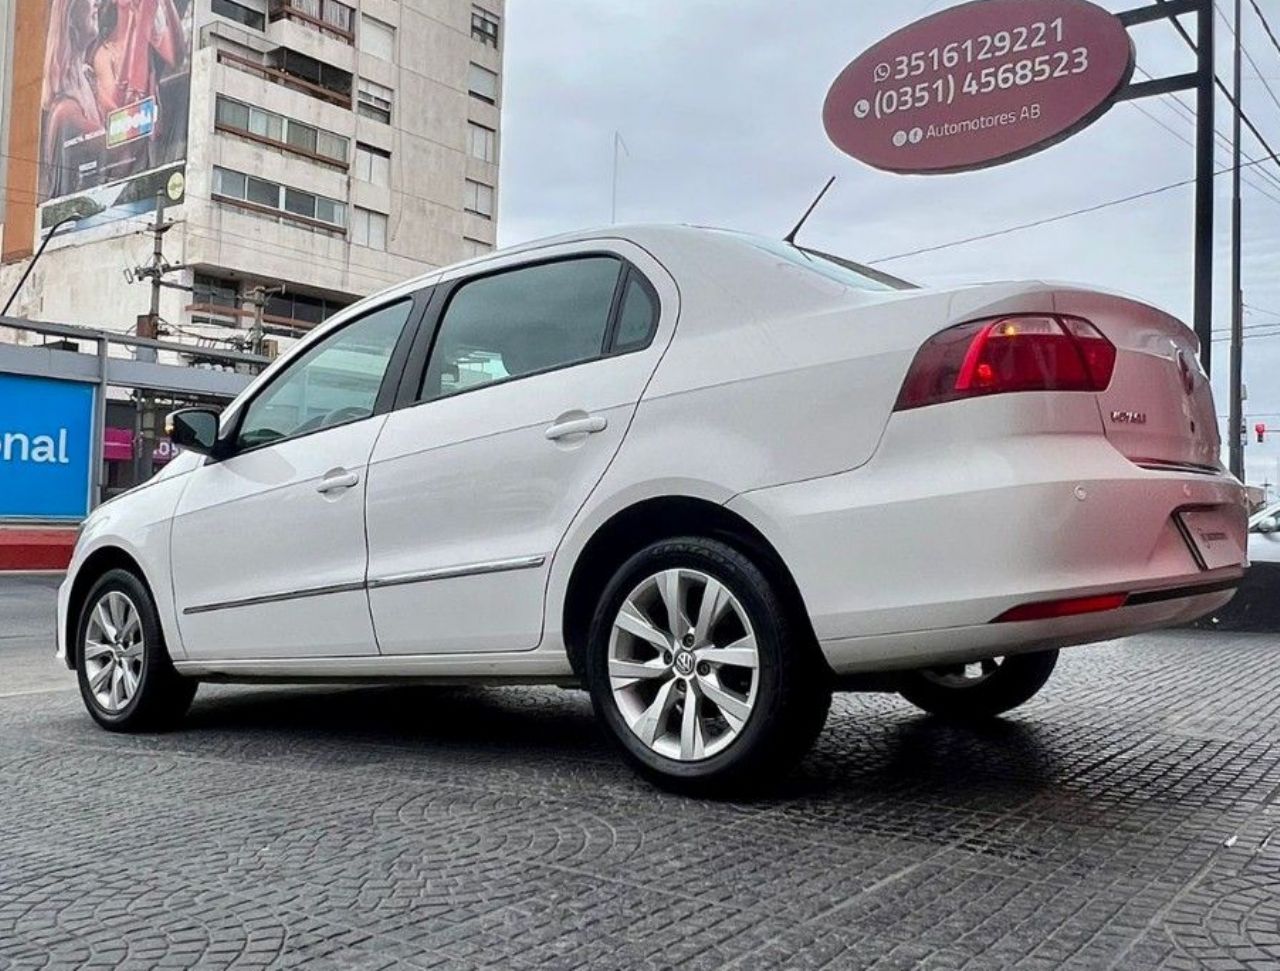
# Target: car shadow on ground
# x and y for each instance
(870, 744)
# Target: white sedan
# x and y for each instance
(710, 476)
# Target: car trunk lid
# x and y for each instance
(1158, 410)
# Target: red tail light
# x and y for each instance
(1031, 352)
(1072, 607)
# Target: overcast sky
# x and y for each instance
(720, 105)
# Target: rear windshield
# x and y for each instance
(832, 267)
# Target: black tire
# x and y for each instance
(161, 696)
(793, 688)
(1014, 682)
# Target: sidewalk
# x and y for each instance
(36, 547)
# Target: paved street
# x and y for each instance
(1128, 818)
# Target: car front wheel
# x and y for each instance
(981, 689)
(698, 671)
(126, 678)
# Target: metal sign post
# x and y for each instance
(1202, 79)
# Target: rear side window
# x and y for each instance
(523, 321)
(638, 318)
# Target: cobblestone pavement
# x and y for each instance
(1127, 818)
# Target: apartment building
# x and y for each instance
(317, 149)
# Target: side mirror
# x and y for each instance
(193, 428)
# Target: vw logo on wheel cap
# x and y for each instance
(685, 663)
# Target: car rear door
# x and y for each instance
(534, 369)
(268, 542)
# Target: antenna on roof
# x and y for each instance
(790, 238)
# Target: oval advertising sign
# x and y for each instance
(979, 84)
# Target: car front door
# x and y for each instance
(534, 372)
(268, 543)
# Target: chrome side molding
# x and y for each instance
(391, 580)
(452, 572)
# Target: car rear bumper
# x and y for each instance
(910, 559)
(950, 645)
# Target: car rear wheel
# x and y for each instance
(126, 678)
(980, 689)
(699, 673)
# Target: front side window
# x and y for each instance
(333, 383)
(520, 322)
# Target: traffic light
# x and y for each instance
(1261, 429)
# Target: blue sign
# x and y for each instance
(46, 447)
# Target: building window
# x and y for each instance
(214, 300)
(331, 146)
(239, 13)
(238, 187)
(484, 27)
(374, 100)
(483, 84)
(377, 38)
(482, 142)
(301, 308)
(285, 132)
(368, 228)
(332, 79)
(324, 16)
(372, 165)
(473, 248)
(479, 199)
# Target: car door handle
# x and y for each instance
(336, 480)
(587, 425)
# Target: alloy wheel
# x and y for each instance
(683, 664)
(114, 651)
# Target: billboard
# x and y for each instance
(46, 447)
(979, 84)
(133, 197)
(115, 95)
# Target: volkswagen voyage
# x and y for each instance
(712, 477)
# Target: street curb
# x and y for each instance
(30, 550)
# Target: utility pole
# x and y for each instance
(1204, 181)
(258, 299)
(150, 326)
(1235, 451)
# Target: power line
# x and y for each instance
(1182, 31)
(1177, 101)
(1265, 26)
(1188, 142)
(1061, 216)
